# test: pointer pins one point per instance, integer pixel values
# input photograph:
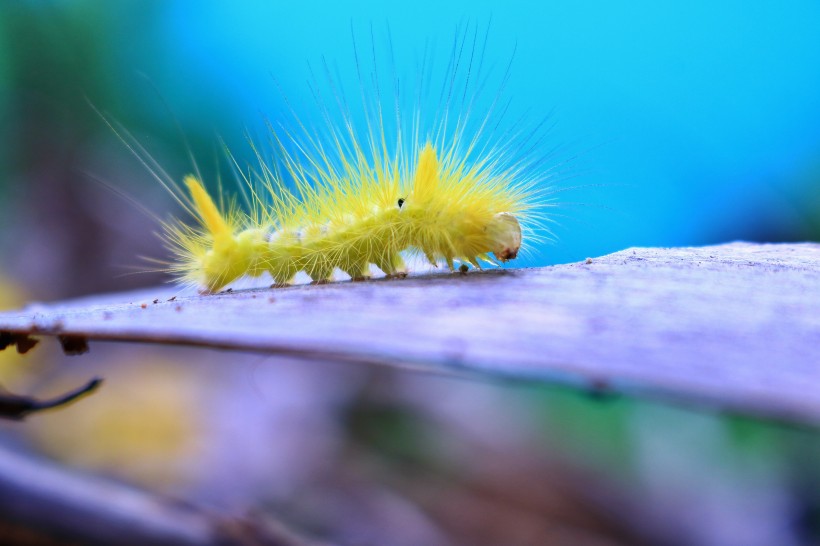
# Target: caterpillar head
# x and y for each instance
(505, 232)
(456, 214)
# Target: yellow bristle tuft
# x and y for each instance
(206, 209)
(426, 179)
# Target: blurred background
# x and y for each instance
(673, 124)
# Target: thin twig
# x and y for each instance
(17, 407)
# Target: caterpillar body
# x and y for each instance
(361, 198)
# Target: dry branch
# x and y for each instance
(43, 504)
(735, 326)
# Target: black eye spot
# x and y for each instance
(401, 201)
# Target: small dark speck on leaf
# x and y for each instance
(74, 345)
(229, 290)
(156, 301)
(463, 269)
(172, 298)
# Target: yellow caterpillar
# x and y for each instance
(352, 200)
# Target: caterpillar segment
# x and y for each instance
(446, 211)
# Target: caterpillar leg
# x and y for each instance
(319, 272)
(487, 258)
(464, 268)
(393, 265)
(283, 277)
(359, 271)
(399, 267)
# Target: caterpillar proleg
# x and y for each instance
(457, 189)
